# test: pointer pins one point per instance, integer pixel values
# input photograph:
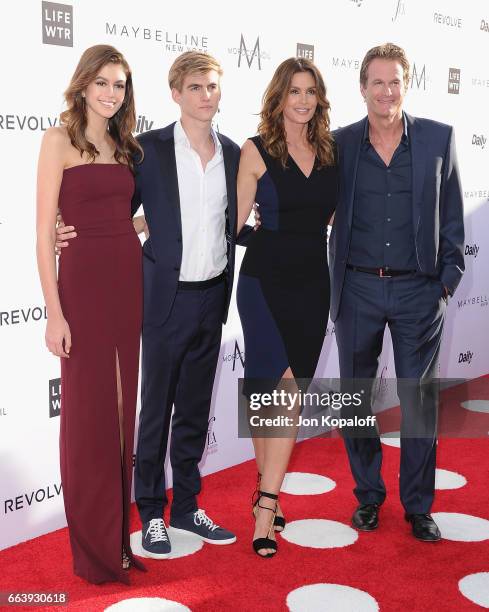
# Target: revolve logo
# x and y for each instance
(19, 316)
(447, 20)
(32, 123)
(57, 24)
(25, 500)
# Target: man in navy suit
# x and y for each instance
(396, 255)
(187, 186)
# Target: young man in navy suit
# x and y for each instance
(396, 255)
(186, 183)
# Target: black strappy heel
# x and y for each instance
(267, 542)
(279, 521)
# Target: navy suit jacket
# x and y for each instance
(157, 189)
(437, 203)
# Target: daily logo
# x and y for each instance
(472, 250)
(143, 124)
(479, 141)
(454, 80)
(57, 24)
(466, 357)
(305, 51)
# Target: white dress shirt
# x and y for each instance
(203, 203)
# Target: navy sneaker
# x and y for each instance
(156, 543)
(200, 524)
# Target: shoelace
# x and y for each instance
(201, 517)
(157, 531)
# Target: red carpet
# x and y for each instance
(399, 572)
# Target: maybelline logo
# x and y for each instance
(348, 63)
(176, 42)
(479, 300)
(27, 122)
(478, 82)
(447, 20)
(484, 25)
(454, 80)
(418, 77)
(27, 499)
(143, 124)
(237, 354)
(54, 397)
(211, 437)
(23, 315)
(465, 357)
(400, 10)
(479, 141)
(476, 194)
(57, 24)
(472, 250)
(305, 51)
(252, 53)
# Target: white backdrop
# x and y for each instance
(40, 46)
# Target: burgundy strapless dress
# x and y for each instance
(100, 287)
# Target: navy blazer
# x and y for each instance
(438, 220)
(157, 190)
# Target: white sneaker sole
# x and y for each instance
(150, 555)
(208, 540)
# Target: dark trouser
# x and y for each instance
(414, 309)
(179, 361)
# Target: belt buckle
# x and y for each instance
(382, 274)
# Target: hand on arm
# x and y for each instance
(49, 176)
(140, 226)
(247, 182)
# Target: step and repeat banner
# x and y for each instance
(447, 43)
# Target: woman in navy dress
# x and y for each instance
(289, 170)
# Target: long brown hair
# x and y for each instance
(121, 125)
(271, 127)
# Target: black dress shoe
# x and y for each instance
(366, 517)
(424, 527)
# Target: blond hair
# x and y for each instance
(387, 51)
(191, 62)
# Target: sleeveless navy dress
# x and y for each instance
(283, 288)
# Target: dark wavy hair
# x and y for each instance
(271, 127)
(121, 125)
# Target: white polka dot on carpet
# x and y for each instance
(302, 483)
(461, 527)
(330, 598)
(147, 604)
(319, 533)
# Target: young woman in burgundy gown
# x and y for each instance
(95, 306)
(290, 171)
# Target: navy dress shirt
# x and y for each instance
(382, 225)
